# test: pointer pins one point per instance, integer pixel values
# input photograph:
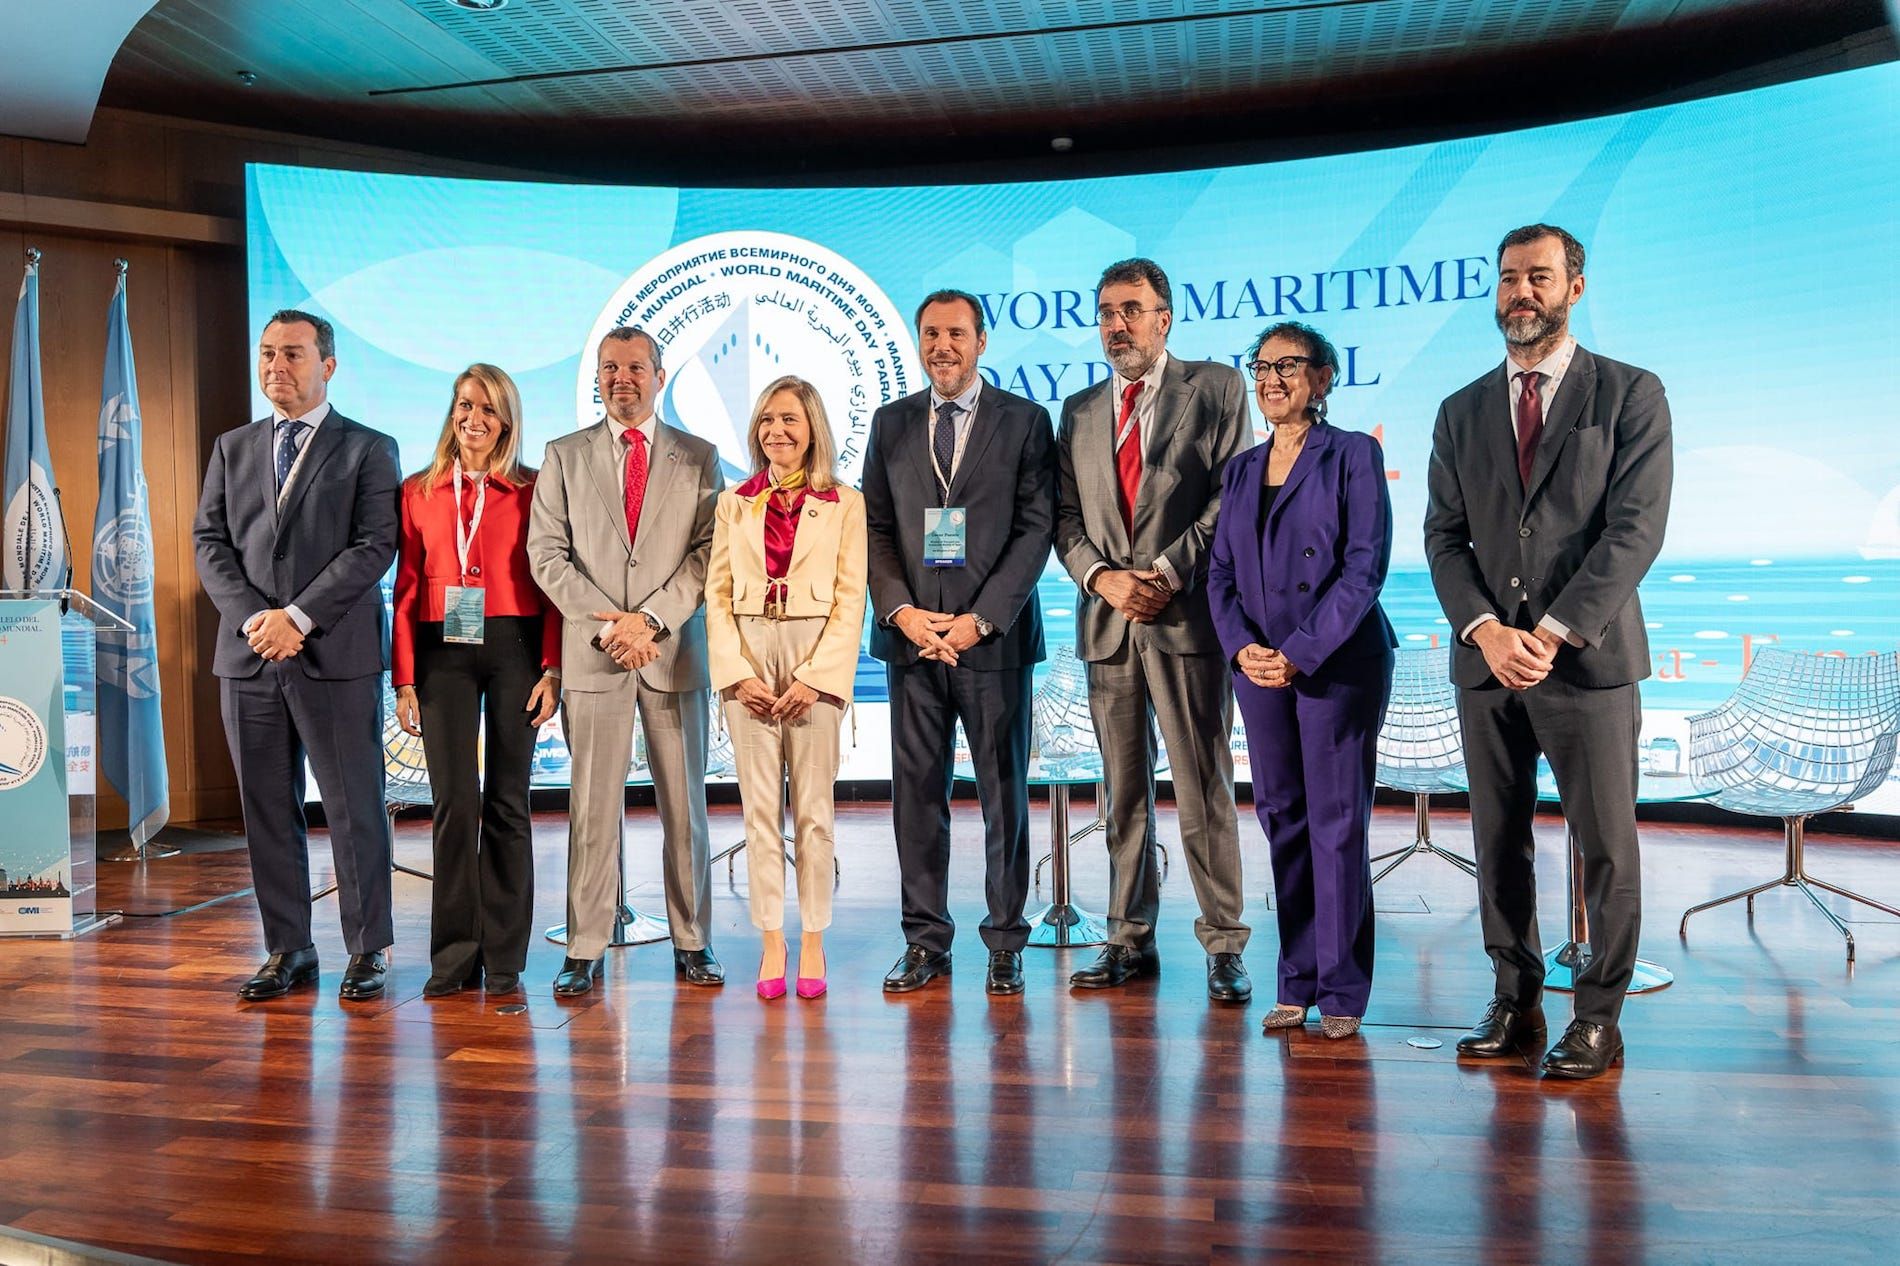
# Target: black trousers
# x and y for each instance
(1590, 737)
(273, 721)
(482, 912)
(927, 699)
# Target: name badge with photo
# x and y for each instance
(945, 536)
(462, 615)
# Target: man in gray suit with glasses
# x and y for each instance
(1139, 461)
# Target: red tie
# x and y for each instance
(1530, 426)
(636, 480)
(1128, 456)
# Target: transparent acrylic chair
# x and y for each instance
(1801, 735)
(1421, 749)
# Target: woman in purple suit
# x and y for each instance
(1300, 554)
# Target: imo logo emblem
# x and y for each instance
(733, 311)
(122, 559)
(22, 743)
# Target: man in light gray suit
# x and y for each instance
(1549, 492)
(618, 537)
(296, 527)
(1139, 462)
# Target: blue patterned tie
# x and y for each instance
(944, 441)
(287, 432)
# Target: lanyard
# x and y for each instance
(962, 434)
(465, 532)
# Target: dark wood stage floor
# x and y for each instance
(144, 1109)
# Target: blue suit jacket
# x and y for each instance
(1310, 589)
(326, 551)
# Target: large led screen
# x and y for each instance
(1741, 247)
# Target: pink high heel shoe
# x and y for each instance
(775, 987)
(811, 986)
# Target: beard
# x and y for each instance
(1525, 329)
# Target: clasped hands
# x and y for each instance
(273, 635)
(1518, 658)
(1138, 595)
(631, 642)
(1268, 669)
(938, 635)
(762, 703)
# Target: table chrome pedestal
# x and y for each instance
(630, 926)
(1063, 923)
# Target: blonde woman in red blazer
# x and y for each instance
(784, 619)
(475, 644)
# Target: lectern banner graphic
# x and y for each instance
(35, 846)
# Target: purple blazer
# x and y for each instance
(1310, 588)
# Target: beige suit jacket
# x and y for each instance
(584, 561)
(825, 580)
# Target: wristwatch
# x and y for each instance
(983, 627)
(653, 622)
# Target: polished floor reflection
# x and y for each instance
(143, 1108)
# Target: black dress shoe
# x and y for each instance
(1505, 1030)
(1227, 978)
(502, 982)
(1585, 1050)
(364, 977)
(280, 974)
(1117, 965)
(698, 967)
(576, 977)
(1006, 972)
(917, 968)
(440, 985)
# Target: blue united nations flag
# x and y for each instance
(131, 729)
(32, 533)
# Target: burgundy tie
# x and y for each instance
(1530, 425)
(636, 480)
(1128, 457)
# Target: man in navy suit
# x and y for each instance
(296, 528)
(960, 507)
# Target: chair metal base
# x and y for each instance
(630, 928)
(1422, 844)
(1100, 824)
(395, 868)
(1794, 875)
(1057, 926)
(1564, 964)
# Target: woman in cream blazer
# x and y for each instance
(784, 620)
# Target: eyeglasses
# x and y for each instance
(1283, 368)
(1127, 314)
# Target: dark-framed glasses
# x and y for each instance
(1284, 368)
(1127, 314)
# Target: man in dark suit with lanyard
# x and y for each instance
(296, 528)
(960, 502)
(1549, 492)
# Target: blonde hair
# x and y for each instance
(506, 399)
(821, 459)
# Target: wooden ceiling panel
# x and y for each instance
(549, 78)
